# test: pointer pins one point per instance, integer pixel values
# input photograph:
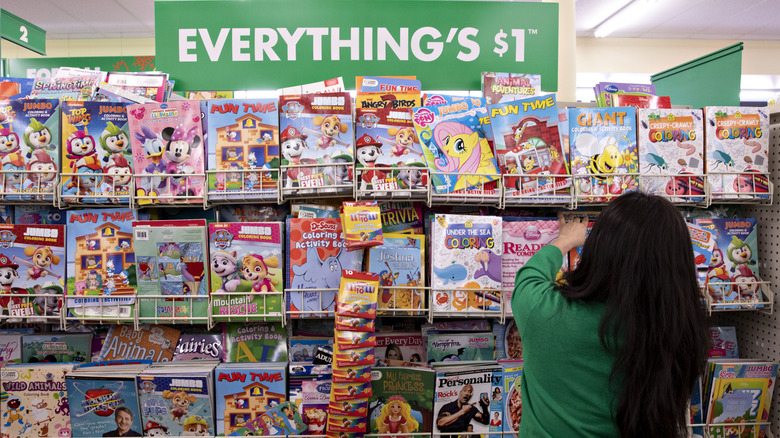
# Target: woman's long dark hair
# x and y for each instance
(638, 259)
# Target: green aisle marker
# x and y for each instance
(22, 33)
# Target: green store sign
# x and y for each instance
(47, 67)
(268, 44)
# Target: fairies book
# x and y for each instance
(167, 141)
(243, 134)
(316, 254)
(455, 143)
(466, 254)
(96, 158)
(604, 160)
(528, 145)
(171, 262)
(101, 262)
(31, 129)
(317, 143)
(737, 148)
(246, 270)
(671, 153)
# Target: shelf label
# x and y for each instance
(22, 33)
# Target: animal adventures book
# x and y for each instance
(167, 141)
(316, 255)
(101, 263)
(500, 87)
(96, 152)
(246, 270)
(243, 134)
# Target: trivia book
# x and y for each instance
(604, 160)
(101, 263)
(317, 143)
(167, 142)
(243, 134)
(466, 254)
(528, 144)
(95, 152)
(671, 153)
(737, 151)
(246, 270)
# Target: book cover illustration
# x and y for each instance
(757, 375)
(462, 387)
(466, 253)
(606, 91)
(282, 419)
(10, 348)
(166, 140)
(316, 129)
(403, 346)
(199, 347)
(304, 349)
(171, 261)
(739, 400)
(254, 342)
(38, 215)
(243, 134)
(399, 261)
(522, 239)
(737, 148)
(244, 394)
(642, 101)
(95, 152)
(498, 87)
(245, 259)
(703, 242)
(389, 156)
(528, 145)
(153, 342)
(603, 152)
(15, 88)
(509, 346)
(671, 143)
(316, 255)
(67, 84)
(32, 261)
(513, 403)
(35, 401)
(454, 143)
(451, 347)
(67, 347)
(103, 406)
(724, 342)
(401, 401)
(32, 129)
(315, 396)
(101, 262)
(178, 402)
(401, 217)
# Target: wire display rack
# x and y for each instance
(321, 180)
(479, 189)
(743, 188)
(257, 186)
(683, 189)
(246, 307)
(167, 189)
(404, 183)
(28, 186)
(550, 190)
(79, 190)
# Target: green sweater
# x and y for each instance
(565, 389)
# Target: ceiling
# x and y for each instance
(679, 19)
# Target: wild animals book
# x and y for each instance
(399, 261)
(455, 143)
(671, 153)
(401, 401)
(528, 144)
(95, 152)
(35, 401)
(246, 270)
(32, 261)
(604, 160)
(499, 87)
(32, 141)
(172, 263)
(317, 143)
(737, 147)
(466, 253)
(243, 138)
(316, 255)
(178, 400)
(167, 141)
(244, 393)
(101, 265)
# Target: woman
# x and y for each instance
(616, 349)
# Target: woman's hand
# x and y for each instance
(571, 233)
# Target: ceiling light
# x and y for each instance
(626, 16)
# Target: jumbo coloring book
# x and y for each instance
(96, 146)
(180, 402)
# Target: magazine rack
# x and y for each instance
(31, 308)
(317, 294)
(415, 185)
(725, 430)
(480, 194)
(28, 191)
(766, 305)
(117, 195)
(100, 309)
(752, 188)
(243, 308)
(163, 193)
(403, 301)
(170, 301)
(243, 185)
(534, 198)
(678, 188)
(337, 176)
(600, 188)
(460, 303)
